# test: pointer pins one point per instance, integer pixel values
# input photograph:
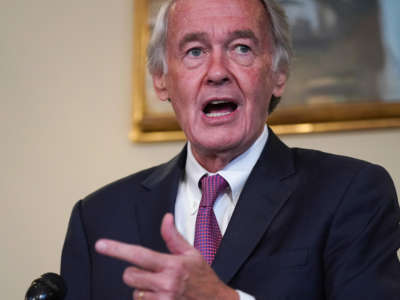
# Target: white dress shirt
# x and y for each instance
(189, 193)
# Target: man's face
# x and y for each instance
(219, 79)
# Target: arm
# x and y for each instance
(75, 260)
(360, 255)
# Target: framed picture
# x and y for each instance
(345, 73)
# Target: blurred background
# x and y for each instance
(65, 92)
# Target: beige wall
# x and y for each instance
(65, 90)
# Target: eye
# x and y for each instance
(194, 56)
(242, 54)
(242, 49)
(194, 52)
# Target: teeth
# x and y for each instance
(217, 114)
(218, 101)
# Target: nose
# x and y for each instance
(217, 72)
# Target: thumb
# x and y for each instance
(175, 242)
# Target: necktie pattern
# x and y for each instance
(207, 233)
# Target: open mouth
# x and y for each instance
(219, 108)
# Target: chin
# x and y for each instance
(217, 144)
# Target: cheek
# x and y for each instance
(183, 104)
(259, 85)
(260, 92)
(182, 84)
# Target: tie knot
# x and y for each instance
(211, 187)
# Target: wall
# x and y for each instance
(65, 91)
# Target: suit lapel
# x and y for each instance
(267, 189)
(158, 198)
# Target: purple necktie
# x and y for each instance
(207, 235)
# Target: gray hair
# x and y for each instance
(156, 50)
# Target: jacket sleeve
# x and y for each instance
(75, 259)
(360, 257)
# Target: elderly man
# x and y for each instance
(252, 218)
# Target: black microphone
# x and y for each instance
(49, 286)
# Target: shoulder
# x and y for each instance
(124, 193)
(122, 186)
(317, 163)
(348, 180)
(313, 167)
(131, 186)
(109, 199)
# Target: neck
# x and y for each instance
(214, 161)
(212, 164)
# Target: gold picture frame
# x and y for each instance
(317, 114)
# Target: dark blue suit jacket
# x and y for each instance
(308, 225)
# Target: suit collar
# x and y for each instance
(171, 169)
(277, 159)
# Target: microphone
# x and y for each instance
(49, 286)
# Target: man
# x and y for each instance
(285, 224)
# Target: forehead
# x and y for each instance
(217, 15)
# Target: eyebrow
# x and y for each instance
(202, 37)
(193, 37)
(244, 34)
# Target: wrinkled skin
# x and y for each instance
(219, 50)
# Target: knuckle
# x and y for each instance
(173, 286)
(169, 285)
(174, 283)
(171, 262)
(179, 266)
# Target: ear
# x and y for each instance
(280, 84)
(160, 86)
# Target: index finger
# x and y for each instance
(140, 256)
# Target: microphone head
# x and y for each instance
(49, 286)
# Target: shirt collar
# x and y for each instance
(235, 172)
